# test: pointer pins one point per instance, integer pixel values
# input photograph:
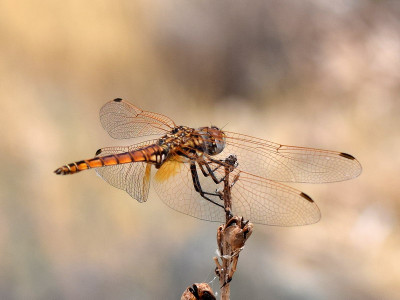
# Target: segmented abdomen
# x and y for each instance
(153, 154)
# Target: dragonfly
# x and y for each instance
(187, 166)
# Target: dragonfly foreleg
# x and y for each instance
(230, 162)
(210, 172)
(197, 186)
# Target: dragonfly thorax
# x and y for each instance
(193, 143)
(178, 137)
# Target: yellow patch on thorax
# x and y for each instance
(170, 168)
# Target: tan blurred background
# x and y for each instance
(315, 73)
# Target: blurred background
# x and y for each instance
(317, 73)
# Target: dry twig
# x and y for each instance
(231, 238)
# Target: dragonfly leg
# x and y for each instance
(210, 172)
(230, 162)
(201, 163)
(197, 186)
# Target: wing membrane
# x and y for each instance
(123, 120)
(134, 178)
(288, 163)
(257, 199)
(267, 202)
(174, 185)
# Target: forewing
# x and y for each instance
(289, 163)
(134, 177)
(123, 120)
(267, 202)
(174, 185)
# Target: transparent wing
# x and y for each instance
(289, 163)
(174, 185)
(123, 120)
(256, 199)
(267, 202)
(134, 178)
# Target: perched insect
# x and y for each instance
(180, 152)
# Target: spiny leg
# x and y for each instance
(230, 163)
(215, 179)
(197, 186)
(210, 172)
(203, 162)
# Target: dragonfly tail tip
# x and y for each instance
(59, 171)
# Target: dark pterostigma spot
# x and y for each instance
(345, 155)
(98, 152)
(305, 196)
(117, 99)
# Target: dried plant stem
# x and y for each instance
(231, 238)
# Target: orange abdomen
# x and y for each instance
(152, 154)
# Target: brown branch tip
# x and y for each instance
(231, 238)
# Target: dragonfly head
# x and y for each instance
(214, 139)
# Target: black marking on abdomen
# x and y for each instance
(117, 99)
(117, 159)
(78, 163)
(131, 156)
(145, 154)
